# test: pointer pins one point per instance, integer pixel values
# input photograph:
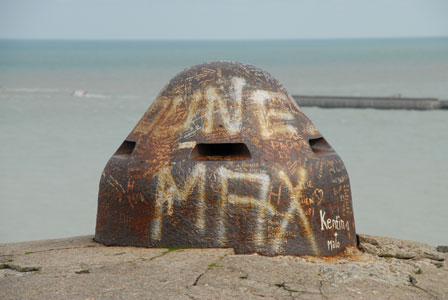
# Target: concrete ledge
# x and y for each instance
(371, 102)
(78, 268)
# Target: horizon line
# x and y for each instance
(226, 40)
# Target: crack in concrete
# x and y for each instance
(191, 297)
(321, 289)
(210, 266)
(19, 268)
(413, 282)
(168, 250)
(199, 277)
(288, 289)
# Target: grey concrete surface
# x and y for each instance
(79, 268)
(371, 102)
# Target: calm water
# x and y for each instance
(54, 145)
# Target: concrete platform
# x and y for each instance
(79, 268)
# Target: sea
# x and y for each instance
(66, 106)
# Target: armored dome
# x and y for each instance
(224, 157)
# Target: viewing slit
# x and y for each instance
(320, 146)
(221, 151)
(126, 148)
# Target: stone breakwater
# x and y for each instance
(79, 268)
(371, 102)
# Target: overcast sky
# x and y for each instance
(225, 19)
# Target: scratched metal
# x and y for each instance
(224, 157)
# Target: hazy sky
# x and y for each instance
(225, 19)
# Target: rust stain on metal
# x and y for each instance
(224, 157)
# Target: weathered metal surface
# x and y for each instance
(224, 157)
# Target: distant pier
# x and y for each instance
(371, 102)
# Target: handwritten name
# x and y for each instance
(336, 223)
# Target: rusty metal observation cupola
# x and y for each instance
(225, 158)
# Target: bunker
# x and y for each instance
(224, 157)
